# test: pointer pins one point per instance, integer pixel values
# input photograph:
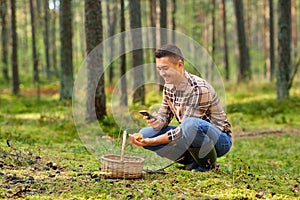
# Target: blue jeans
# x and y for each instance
(196, 133)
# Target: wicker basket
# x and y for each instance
(114, 167)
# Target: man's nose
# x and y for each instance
(162, 73)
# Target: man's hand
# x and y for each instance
(142, 142)
(153, 122)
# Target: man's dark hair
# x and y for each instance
(171, 51)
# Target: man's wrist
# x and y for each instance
(153, 141)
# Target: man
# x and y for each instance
(204, 132)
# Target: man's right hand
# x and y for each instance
(153, 122)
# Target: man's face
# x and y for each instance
(169, 71)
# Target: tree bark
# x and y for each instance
(4, 37)
(66, 63)
(25, 25)
(123, 86)
(294, 28)
(162, 35)
(111, 24)
(213, 38)
(14, 55)
(153, 19)
(272, 48)
(247, 20)
(244, 73)
(95, 84)
(153, 15)
(174, 7)
(34, 52)
(226, 63)
(163, 21)
(266, 40)
(284, 48)
(46, 37)
(137, 54)
(53, 39)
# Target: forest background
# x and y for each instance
(243, 38)
(44, 43)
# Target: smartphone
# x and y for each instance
(146, 113)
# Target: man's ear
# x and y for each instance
(180, 63)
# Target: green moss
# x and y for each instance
(41, 133)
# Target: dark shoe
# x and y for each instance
(191, 166)
(204, 169)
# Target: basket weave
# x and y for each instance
(130, 167)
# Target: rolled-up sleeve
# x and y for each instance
(174, 134)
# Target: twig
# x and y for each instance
(162, 170)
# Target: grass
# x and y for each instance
(42, 156)
(252, 107)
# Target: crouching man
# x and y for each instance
(204, 132)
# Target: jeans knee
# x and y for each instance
(194, 131)
(188, 124)
(193, 125)
(189, 129)
(147, 132)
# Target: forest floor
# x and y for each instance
(42, 156)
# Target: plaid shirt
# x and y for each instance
(194, 97)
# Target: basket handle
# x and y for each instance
(123, 145)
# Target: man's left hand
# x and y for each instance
(143, 142)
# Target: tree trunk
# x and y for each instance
(284, 48)
(46, 37)
(153, 15)
(53, 31)
(244, 73)
(111, 24)
(123, 86)
(24, 27)
(14, 55)
(137, 54)
(163, 21)
(153, 18)
(223, 8)
(213, 39)
(213, 30)
(272, 48)
(95, 84)
(266, 41)
(110, 28)
(4, 37)
(66, 64)
(294, 28)
(34, 53)
(173, 20)
(248, 21)
(162, 35)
